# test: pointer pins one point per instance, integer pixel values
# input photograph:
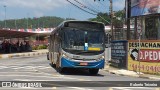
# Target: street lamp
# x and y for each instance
(5, 16)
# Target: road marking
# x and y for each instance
(24, 67)
(131, 88)
(2, 67)
(15, 64)
(30, 80)
(19, 72)
(55, 74)
(29, 76)
(0, 56)
(110, 88)
(78, 88)
(39, 76)
(62, 76)
(31, 73)
(54, 87)
(5, 56)
(157, 89)
(44, 88)
(81, 79)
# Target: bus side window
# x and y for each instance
(51, 44)
(49, 41)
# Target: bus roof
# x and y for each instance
(75, 21)
(82, 21)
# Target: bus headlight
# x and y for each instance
(102, 57)
(64, 55)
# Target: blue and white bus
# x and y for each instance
(78, 44)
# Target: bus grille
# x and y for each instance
(83, 59)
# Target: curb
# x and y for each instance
(154, 78)
(28, 54)
(116, 73)
(145, 77)
(136, 75)
(0, 56)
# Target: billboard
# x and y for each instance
(144, 7)
(119, 53)
(149, 56)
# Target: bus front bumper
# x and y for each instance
(82, 64)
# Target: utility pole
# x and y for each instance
(111, 16)
(15, 24)
(27, 19)
(128, 18)
(5, 15)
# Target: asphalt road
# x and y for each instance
(37, 72)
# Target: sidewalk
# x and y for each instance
(124, 72)
(24, 54)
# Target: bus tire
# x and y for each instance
(47, 56)
(60, 70)
(53, 65)
(93, 71)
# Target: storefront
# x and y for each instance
(143, 47)
(144, 54)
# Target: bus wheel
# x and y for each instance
(53, 65)
(93, 71)
(47, 56)
(60, 70)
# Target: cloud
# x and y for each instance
(118, 4)
(38, 8)
(38, 14)
(35, 4)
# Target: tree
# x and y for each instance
(118, 18)
(41, 22)
(102, 17)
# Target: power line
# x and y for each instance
(91, 5)
(104, 19)
(84, 6)
(102, 4)
(80, 8)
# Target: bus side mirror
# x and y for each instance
(49, 37)
(57, 34)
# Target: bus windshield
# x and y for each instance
(79, 41)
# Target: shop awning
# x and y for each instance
(14, 34)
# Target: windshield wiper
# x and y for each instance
(80, 52)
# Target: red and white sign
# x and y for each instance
(150, 55)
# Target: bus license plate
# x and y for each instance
(84, 64)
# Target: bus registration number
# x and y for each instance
(84, 64)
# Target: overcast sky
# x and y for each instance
(16, 9)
